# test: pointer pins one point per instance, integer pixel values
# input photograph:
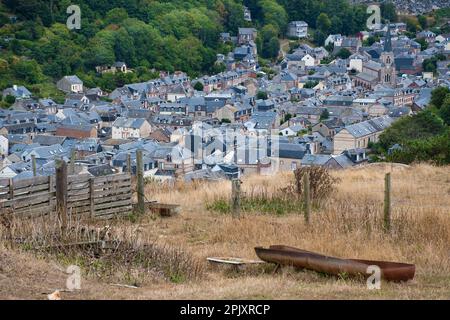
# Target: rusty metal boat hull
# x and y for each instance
(284, 255)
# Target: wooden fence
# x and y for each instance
(84, 195)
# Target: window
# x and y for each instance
(293, 165)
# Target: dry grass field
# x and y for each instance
(348, 224)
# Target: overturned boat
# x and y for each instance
(284, 255)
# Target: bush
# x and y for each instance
(10, 99)
(321, 182)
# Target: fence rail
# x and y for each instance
(96, 197)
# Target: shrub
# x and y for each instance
(321, 182)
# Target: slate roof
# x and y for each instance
(365, 128)
(128, 123)
(47, 140)
(20, 92)
(73, 79)
(291, 150)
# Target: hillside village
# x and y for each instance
(310, 110)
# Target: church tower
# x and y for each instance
(388, 73)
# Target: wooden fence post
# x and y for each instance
(387, 202)
(307, 197)
(129, 164)
(33, 165)
(236, 197)
(140, 181)
(50, 190)
(91, 197)
(61, 194)
(72, 162)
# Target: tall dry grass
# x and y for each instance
(348, 224)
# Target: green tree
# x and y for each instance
(421, 126)
(269, 45)
(28, 71)
(116, 16)
(10, 100)
(198, 86)
(310, 84)
(444, 111)
(324, 115)
(274, 14)
(388, 11)
(319, 38)
(423, 43)
(344, 53)
(438, 96)
(423, 21)
(218, 68)
(323, 23)
(261, 95)
(436, 149)
(287, 117)
(272, 48)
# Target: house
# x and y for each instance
(359, 135)
(44, 152)
(297, 29)
(328, 128)
(116, 67)
(443, 38)
(312, 114)
(290, 155)
(335, 39)
(225, 37)
(18, 92)
(176, 92)
(247, 14)
(70, 84)
(4, 145)
(309, 60)
(376, 110)
(47, 140)
(428, 36)
(246, 35)
(12, 170)
(76, 131)
(338, 101)
(349, 43)
(125, 128)
(327, 161)
(292, 131)
(262, 122)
